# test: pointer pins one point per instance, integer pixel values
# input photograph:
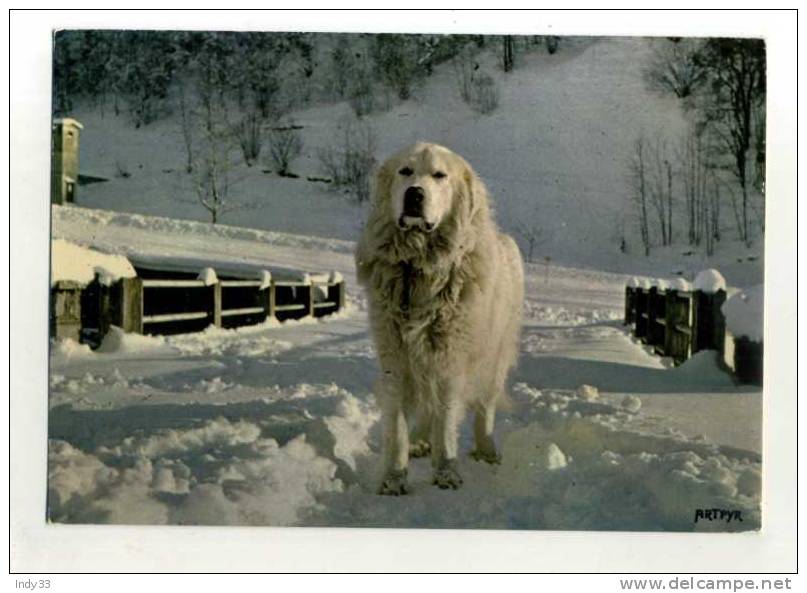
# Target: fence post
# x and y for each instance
(130, 305)
(340, 296)
(650, 332)
(217, 304)
(269, 301)
(311, 298)
(629, 305)
(710, 325)
(669, 320)
(640, 329)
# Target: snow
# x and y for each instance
(277, 424)
(75, 263)
(631, 403)
(710, 281)
(680, 284)
(172, 244)
(588, 392)
(208, 276)
(744, 313)
(266, 279)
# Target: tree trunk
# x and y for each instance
(508, 53)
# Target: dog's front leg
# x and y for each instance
(445, 424)
(396, 442)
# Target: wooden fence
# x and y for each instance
(678, 323)
(157, 302)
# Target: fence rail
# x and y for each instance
(678, 324)
(160, 303)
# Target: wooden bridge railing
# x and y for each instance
(165, 304)
(679, 323)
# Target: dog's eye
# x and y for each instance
(438, 175)
(406, 171)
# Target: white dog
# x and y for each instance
(445, 295)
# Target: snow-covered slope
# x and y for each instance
(555, 155)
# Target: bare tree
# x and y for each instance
(249, 134)
(737, 70)
(507, 53)
(532, 235)
(639, 174)
(660, 190)
(212, 175)
(186, 127)
(675, 66)
(692, 161)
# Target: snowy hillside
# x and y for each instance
(277, 424)
(555, 155)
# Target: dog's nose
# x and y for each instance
(413, 201)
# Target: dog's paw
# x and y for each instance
(446, 475)
(394, 483)
(420, 448)
(493, 457)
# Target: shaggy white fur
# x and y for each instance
(446, 290)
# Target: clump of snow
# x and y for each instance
(551, 457)
(65, 349)
(335, 277)
(704, 367)
(680, 284)
(81, 265)
(633, 282)
(238, 478)
(208, 276)
(248, 341)
(118, 341)
(350, 427)
(588, 393)
(744, 313)
(266, 279)
(661, 284)
(631, 403)
(710, 281)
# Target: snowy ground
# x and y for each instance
(277, 424)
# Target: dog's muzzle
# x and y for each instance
(413, 202)
(412, 216)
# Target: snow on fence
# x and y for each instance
(158, 302)
(680, 322)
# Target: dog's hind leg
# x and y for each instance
(445, 423)
(419, 445)
(484, 418)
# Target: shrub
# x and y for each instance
(350, 164)
(484, 94)
(285, 145)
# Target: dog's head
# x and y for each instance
(429, 209)
(423, 186)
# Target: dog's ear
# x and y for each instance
(367, 245)
(474, 193)
(383, 183)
